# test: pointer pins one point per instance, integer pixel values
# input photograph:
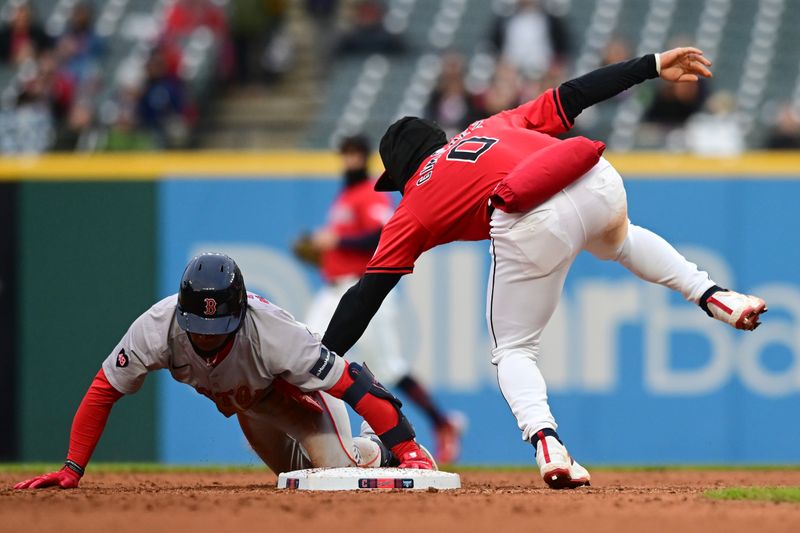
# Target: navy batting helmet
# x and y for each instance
(212, 298)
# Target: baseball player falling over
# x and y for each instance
(342, 249)
(255, 361)
(540, 201)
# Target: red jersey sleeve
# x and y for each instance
(544, 114)
(403, 240)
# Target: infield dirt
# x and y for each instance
(670, 501)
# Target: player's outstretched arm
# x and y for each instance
(87, 426)
(686, 64)
(356, 309)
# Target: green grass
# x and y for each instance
(770, 494)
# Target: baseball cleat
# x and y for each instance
(448, 438)
(430, 456)
(389, 459)
(558, 469)
(741, 311)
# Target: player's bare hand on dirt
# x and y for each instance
(684, 64)
(64, 478)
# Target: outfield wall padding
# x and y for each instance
(86, 264)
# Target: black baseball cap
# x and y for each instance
(403, 147)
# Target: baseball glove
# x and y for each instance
(306, 251)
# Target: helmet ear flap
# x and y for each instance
(212, 299)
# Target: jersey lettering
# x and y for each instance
(223, 399)
(426, 173)
(470, 149)
(235, 400)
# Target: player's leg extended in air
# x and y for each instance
(532, 253)
(380, 349)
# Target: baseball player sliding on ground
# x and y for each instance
(343, 247)
(254, 360)
(540, 201)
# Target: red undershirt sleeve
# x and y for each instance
(90, 419)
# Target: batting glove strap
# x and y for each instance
(706, 295)
(75, 467)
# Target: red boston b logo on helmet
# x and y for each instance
(211, 307)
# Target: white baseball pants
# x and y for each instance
(379, 347)
(531, 255)
(288, 436)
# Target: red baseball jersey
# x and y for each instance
(357, 210)
(447, 199)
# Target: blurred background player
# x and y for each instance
(341, 249)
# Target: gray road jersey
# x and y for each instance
(270, 343)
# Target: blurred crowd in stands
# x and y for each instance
(64, 95)
(60, 96)
(57, 78)
(534, 50)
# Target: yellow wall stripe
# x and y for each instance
(211, 164)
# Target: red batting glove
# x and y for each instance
(411, 456)
(64, 478)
